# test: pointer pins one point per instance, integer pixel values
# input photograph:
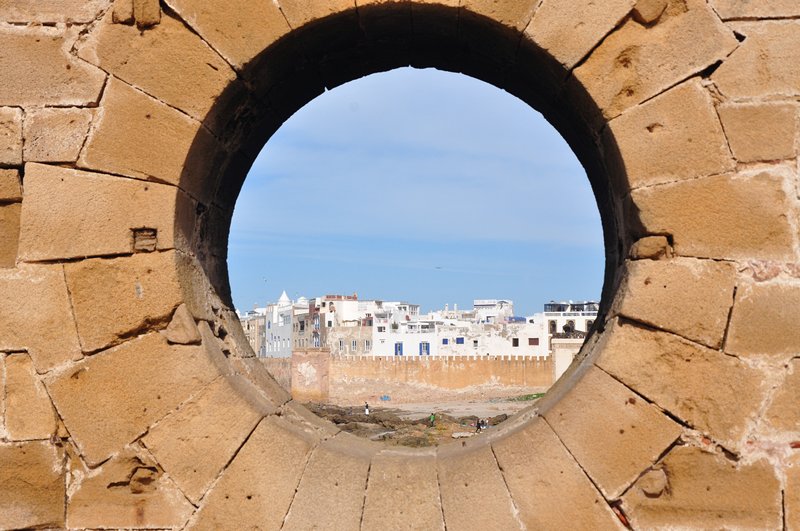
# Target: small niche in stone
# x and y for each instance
(144, 240)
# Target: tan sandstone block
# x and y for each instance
(2, 396)
(763, 321)
(114, 298)
(147, 13)
(238, 29)
(10, 136)
(109, 399)
(683, 121)
(792, 495)
(37, 315)
(331, 492)
(258, 374)
(732, 9)
(761, 132)
(612, 433)
(51, 11)
(55, 135)
(651, 248)
(183, 59)
(707, 491)
(182, 329)
(649, 11)
(195, 443)
(9, 234)
(474, 494)
(138, 136)
(766, 64)
(714, 393)
(408, 476)
(727, 217)
(10, 187)
(301, 12)
(129, 491)
(259, 484)
(783, 413)
(512, 13)
(105, 225)
(637, 62)
(547, 485)
(569, 34)
(29, 412)
(57, 78)
(691, 298)
(32, 485)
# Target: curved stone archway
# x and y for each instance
(129, 397)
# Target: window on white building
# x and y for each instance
(354, 345)
(533, 341)
(514, 341)
(424, 349)
(398, 348)
(341, 344)
(367, 345)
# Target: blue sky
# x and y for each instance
(422, 186)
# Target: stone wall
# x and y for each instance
(280, 369)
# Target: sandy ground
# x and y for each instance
(489, 408)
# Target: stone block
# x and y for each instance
(612, 432)
(514, 14)
(638, 61)
(32, 485)
(762, 324)
(256, 372)
(683, 121)
(37, 315)
(301, 12)
(238, 29)
(548, 487)
(259, 484)
(691, 298)
(29, 412)
(651, 248)
(726, 217)
(791, 495)
(766, 64)
(182, 329)
(761, 131)
(182, 56)
(474, 494)
(783, 413)
(9, 234)
(147, 13)
(10, 187)
(52, 11)
(733, 9)
(714, 393)
(403, 492)
(649, 11)
(110, 399)
(10, 136)
(706, 491)
(58, 78)
(138, 136)
(122, 12)
(197, 441)
(569, 34)
(113, 299)
(129, 491)
(106, 223)
(331, 492)
(55, 135)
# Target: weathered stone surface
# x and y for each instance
(32, 485)
(726, 216)
(761, 322)
(792, 496)
(301, 12)
(183, 58)
(331, 492)
(259, 484)
(256, 372)
(114, 298)
(55, 135)
(707, 491)
(10, 188)
(732, 9)
(141, 137)
(105, 225)
(547, 485)
(403, 475)
(762, 131)
(182, 328)
(29, 412)
(147, 13)
(238, 29)
(613, 433)
(57, 79)
(122, 12)
(636, 62)
(714, 393)
(783, 413)
(569, 34)
(651, 248)
(129, 491)
(512, 13)
(9, 234)
(474, 494)
(37, 315)
(194, 443)
(691, 298)
(10, 136)
(766, 64)
(109, 399)
(649, 11)
(2, 396)
(51, 11)
(683, 121)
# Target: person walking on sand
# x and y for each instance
(366, 408)
(432, 419)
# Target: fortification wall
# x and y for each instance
(280, 369)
